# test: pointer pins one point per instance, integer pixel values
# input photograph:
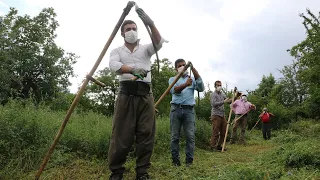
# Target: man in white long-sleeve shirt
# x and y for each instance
(134, 111)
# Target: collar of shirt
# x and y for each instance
(124, 47)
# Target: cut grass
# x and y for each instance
(207, 165)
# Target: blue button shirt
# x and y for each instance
(186, 97)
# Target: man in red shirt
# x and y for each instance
(266, 124)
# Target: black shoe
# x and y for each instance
(188, 164)
(116, 177)
(176, 163)
(219, 148)
(144, 176)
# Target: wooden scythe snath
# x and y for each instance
(172, 84)
(255, 124)
(228, 123)
(126, 11)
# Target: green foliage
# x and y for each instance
(203, 107)
(102, 99)
(30, 61)
(27, 132)
(265, 87)
(160, 84)
(307, 54)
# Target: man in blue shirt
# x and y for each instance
(182, 111)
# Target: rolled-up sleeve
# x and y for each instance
(170, 82)
(175, 85)
(199, 86)
(150, 48)
(114, 61)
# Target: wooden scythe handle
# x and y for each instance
(228, 123)
(172, 84)
(126, 11)
(96, 81)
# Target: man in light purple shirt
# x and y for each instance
(240, 107)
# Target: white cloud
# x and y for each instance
(198, 31)
(4, 5)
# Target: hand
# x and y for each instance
(144, 17)
(140, 73)
(191, 65)
(228, 100)
(189, 82)
(131, 3)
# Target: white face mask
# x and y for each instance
(219, 88)
(244, 98)
(131, 36)
(181, 69)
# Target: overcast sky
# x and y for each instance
(234, 41)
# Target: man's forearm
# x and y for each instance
(178, 89)
(155, 34)
(125, 69)
(195, 73)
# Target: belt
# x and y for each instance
(241, 114)
(136, 88)
(183, 106)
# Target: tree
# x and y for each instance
(160, 84)
(30, 61)
(203, 107)
(290, 91)
(265, 86)
(307, 54)
(103, 99)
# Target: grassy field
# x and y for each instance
(26, 133)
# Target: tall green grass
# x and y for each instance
(26, 133)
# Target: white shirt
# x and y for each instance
(139, 58)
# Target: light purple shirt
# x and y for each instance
(240, 106)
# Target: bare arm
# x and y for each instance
(195, 73)
(178, 89)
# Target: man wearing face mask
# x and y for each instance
(182, 111)
(240, 107)
(133, 119)
(219, 123)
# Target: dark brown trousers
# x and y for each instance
(219, 125)
(133, 121)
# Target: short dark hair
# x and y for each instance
(127, 22)
(215, 83)
(178, 61)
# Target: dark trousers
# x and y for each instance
(133, 120)
(266, 130)
(219, 125)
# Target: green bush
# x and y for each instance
(307, 128)
(27, 132)
(295, 154)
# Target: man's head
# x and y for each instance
(179, 65)
(265, 109)
(218, 85)
(129, 31)
(244, 97)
